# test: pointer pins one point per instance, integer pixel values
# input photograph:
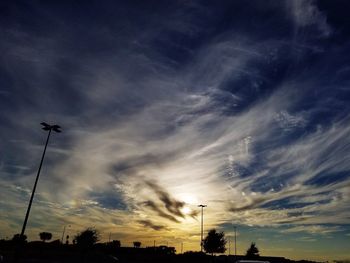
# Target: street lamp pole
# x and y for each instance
(63, 232)
(235, 228)
(202, 206)
(49, 128)
(229, 245)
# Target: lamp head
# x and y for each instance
(56, 128)
(48, 127)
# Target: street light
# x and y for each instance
(229, 245)
(47, 127)
(64, 231)
(235, 228)
(202, 206)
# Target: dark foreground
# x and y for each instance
(105, 253)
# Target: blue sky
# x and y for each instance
(239, 105)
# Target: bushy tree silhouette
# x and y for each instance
(18, 239)
(214, 242)
(252, 251)
(87, 238)
(116, 243)
(45, 236)
(137, 244)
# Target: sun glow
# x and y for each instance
(189, 199)
(186, 210)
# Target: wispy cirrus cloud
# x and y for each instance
(314, 229)
(172, 205)
(148, 223)
(202, 108)
(306, 13)
(158, 210)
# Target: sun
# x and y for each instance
(186, 210)
(189, 199)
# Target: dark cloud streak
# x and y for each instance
(172, 205)
(148, 223)
(159, 211)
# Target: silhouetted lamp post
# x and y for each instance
(229, 245)
(48, 128)
(202, 206)
(64, 231)
(235, 228)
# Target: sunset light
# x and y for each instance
(237, 110)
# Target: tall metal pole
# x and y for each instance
(36, 182)
(229, 245)
(202, 206)
(64, 230)
(235, 240)
(49, 128)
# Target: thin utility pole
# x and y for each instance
(202, 206)
(64, 230)
(235, 228)
(49, 128)
(229, 245)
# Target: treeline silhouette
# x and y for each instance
(85, 248)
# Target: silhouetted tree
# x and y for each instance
(165, 250)
(17, 238)
(116, 243)
(137, 244)
(45, 236)
(214, 242)
(252, 251)
(87, 238)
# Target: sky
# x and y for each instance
(165, 105)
